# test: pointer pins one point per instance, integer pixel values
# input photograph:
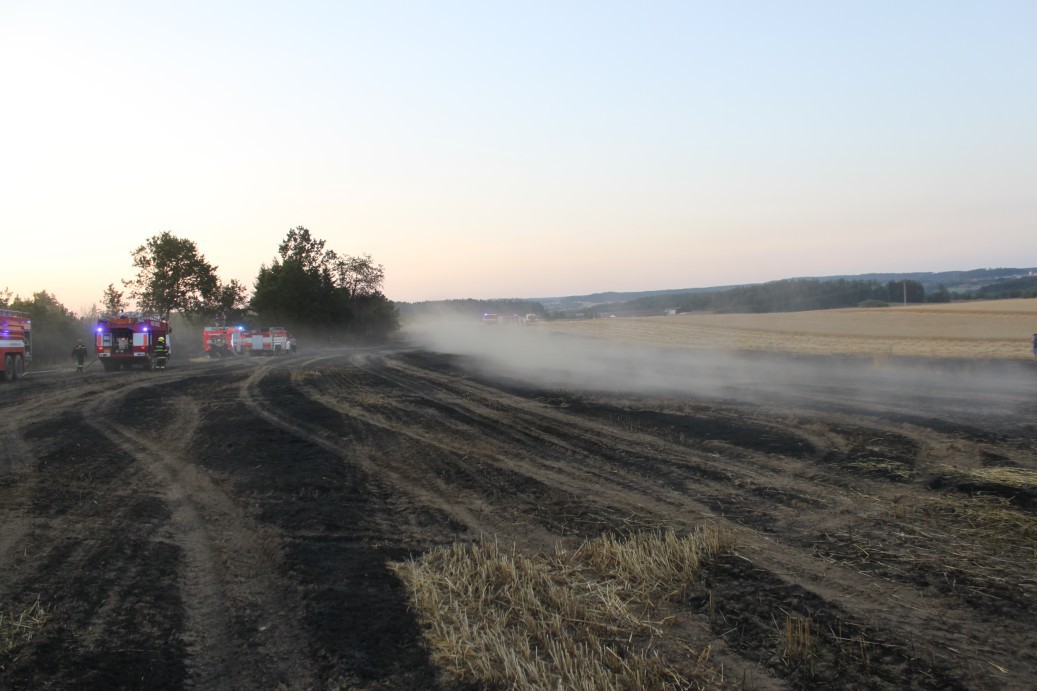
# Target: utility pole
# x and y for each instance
(905, 291)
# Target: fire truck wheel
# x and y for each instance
(19, 367)
(8, 368)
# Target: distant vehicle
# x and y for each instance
(223, 341)
(490, 319)
(271, 340)
(129, 340)
(15, 343)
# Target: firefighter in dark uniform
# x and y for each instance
(79, 353)
(161, 353)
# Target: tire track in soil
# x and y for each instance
(556, 449)
(629, 469)
(229, 562)
(33, 403)
(453, 474)
(585, 456)
(15, 455)
(425, 491)
(345, 520)
(92, 543)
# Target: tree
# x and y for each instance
(312, 290)
(297, 290)
(171, 275)
(300, 247)
(359, 276)
(905, 291)
(229, 302)
(54, 328)
(374, 317)
(941, 295)
(111, 301)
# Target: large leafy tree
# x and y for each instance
(172, 275)
(311, 289)
(359, 283)
(359, 276)
(297, 289)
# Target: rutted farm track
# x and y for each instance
(231, 524)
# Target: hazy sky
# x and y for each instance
(519, 149)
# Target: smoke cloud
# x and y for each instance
(537, 357)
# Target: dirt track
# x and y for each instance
(230, 524)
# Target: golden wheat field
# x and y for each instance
(996, 329)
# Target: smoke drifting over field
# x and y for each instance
(540, 358)
(529, 354)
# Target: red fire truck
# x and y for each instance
(15, 343)
(129, 340)
(271, 340)
(223, 341)
(490, 319)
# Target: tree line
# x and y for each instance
(319, 295)
(471, 308)
(789, 295)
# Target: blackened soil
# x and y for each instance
(232, 524)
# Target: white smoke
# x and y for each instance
(538, 357)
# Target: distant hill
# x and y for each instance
(972, 283)
(954, 281)
(575, 303)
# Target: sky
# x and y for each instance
(488, 149)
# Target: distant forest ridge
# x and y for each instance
(786, 295)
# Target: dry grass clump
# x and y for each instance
(985, 523)
(20, 628)
(573, 620)
(991, 543)
(1010, 477)
(981, 548)
(983, 540)
(799, 637)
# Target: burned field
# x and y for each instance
(266, 522)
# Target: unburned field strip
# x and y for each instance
(1000, 329)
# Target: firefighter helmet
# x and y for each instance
(161, 339)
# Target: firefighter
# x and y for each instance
(79, 353)
(161, 353)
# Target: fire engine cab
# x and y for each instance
(223, 341)
(15, 343)
(129, 340)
